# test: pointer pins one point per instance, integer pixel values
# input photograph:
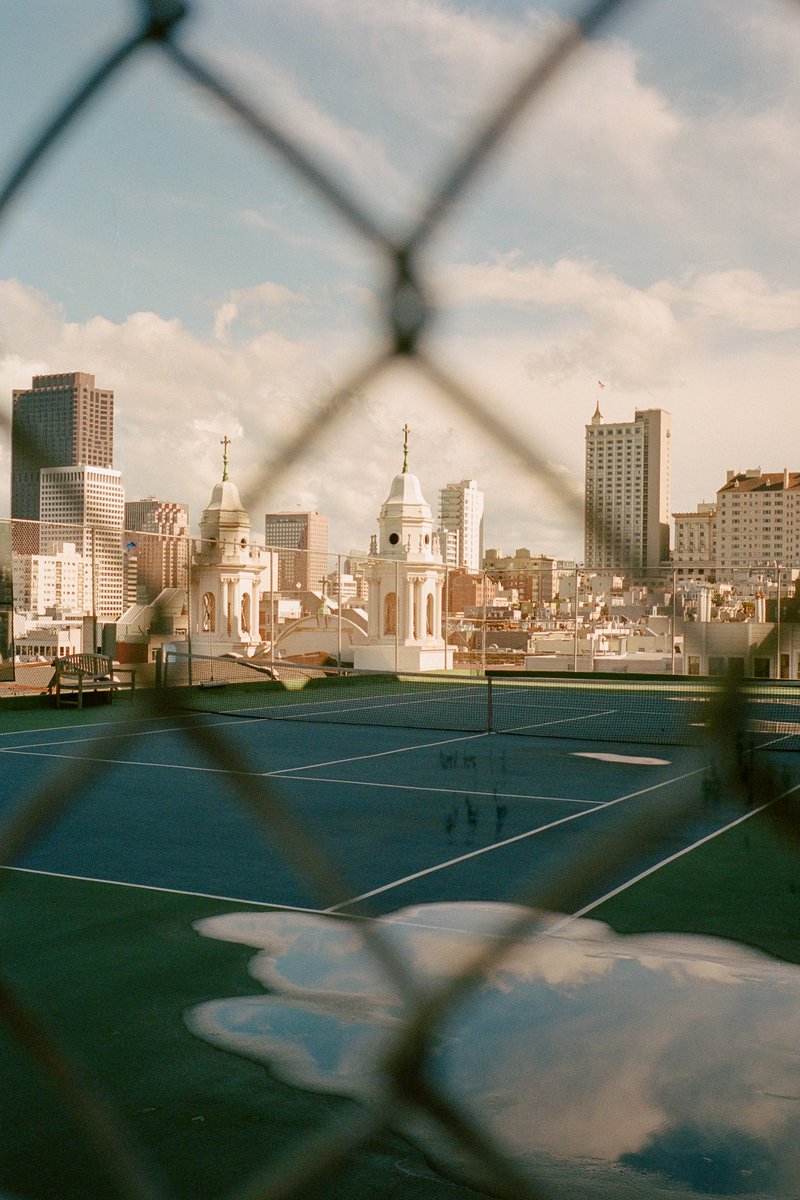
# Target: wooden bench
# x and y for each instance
(79, 675)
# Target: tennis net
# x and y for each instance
(765, 715)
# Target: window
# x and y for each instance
(209, 613)
(390, 613)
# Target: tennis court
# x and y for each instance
(193, 838)
(403, 816)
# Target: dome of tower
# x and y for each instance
(225, 523)
(405, 489)
(225, 506)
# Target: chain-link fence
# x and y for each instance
(84, 571)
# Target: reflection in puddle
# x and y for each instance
(610, 1066)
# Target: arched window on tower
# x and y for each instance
(429, 615)
(209, 613)
(390, 613)
(246, 613)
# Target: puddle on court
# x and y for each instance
(658, 1066)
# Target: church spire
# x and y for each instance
(226, 441)
(405, 450)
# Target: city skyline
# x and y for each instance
(212, 295)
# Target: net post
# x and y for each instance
(160, 667)
(489, 716)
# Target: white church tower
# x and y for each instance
(406, 583)
(230, 575)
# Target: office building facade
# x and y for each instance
(61, 420)
(301, 539)
(86, 505)
(156, 548)
(627, 507)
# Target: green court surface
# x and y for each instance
(111, 971)
(97, 915)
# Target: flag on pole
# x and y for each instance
(599, 384)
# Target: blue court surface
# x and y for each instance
(170, 896)
(399, 816)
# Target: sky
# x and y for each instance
(637, 227)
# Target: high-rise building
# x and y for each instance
(156, 548)
(627, 492)
(461, 524)
(61, 420)
(301, 539)
(85, 505)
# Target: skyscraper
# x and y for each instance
(85, 505)
(302, 541)
(156, 547)
(627, 492)
(60, 421)
(461, 524)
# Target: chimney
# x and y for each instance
(785, 478)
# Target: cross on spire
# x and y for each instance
(405, 449)
(226, 441)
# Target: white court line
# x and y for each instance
(335, 762)
(247, 902)
(561, 721)
(300, 708)
(135, 762)
(382, 699)
(112, 737)
(105, 725)
(411, 787)
(149, 887)
(43, 752)
(709, 837)
(452, 862)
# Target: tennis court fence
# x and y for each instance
(639, 711)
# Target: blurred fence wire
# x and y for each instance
(406, 317)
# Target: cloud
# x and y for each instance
(574, 322)
(251, 304)
(632, 332)
(177, 393)
(358, 159)
(740, 298)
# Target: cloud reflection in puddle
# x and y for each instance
(610, 1066)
